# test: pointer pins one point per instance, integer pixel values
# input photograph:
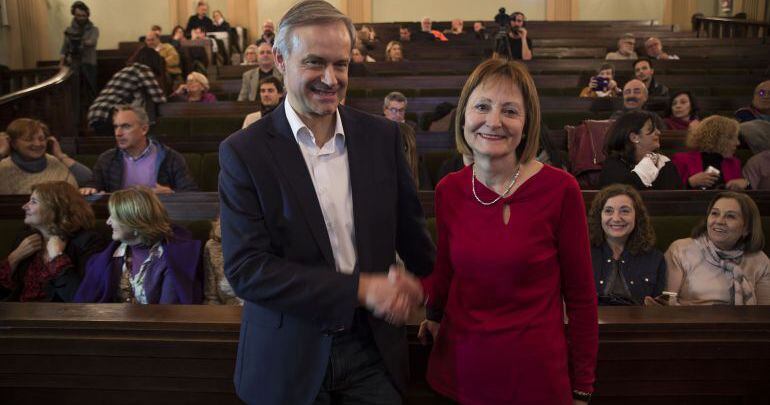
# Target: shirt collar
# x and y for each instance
(146, 152)
(298, 127)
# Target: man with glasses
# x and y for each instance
(760, 105)
(394, 108)
(138, 160)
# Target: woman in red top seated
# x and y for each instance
(712, 163)
(512, 247)
(682, 111)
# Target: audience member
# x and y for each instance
(394, 108)
(268, 33)
(722, 263)
(404, 35)
(196, 90)
(428, 33)
(632, 154)
(359, 54)
(157, 29)
(643, 71)
(250, 81)
(760, 105)
(410, 151)
(219, 23)
(78, 49)
(177, 35)
(757, 171)
(654, 49)
(270, 95)
(603, 84)
(367, 37)
(168, 53)
(479, 31)
(456, 30)
(25, 162)
(47, 260)
(138, 81)
(199, 33)
(627, 266)
(250, 55)
(200, 19)
(518, 44)
(137, 160)
(756, 134)
(217, 290)
(682, 111)
(149, 261)
(394, 52)
(625, 51)
(712, 163)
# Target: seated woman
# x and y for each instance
(632, 157)
(603, 84)
(177, 36)
(722, 263)
(712, 163)
(359, 54)
(394, 52)
(25, 161)
(250, 55)
(220, 24)
(218, 290)
(627, 266)
(48, 259)
(196, 90)
(682, 111)
(150, 261)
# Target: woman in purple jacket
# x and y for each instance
(150, 261)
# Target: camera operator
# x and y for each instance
(79, 47)
(514, 43)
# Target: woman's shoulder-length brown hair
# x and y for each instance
(139, 209)
(65, 211)
(754, 241)
(505, 72)
(642, 238)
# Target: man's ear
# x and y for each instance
(279, 60)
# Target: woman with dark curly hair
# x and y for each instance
(48, 259)
(627, 266)
(681, 112)
(712, 163)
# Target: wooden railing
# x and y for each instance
(16, 80)
(52, 101)
(720, 27)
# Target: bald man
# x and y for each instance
(635, 97)
(760, 105)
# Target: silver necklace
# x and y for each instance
(507, 190)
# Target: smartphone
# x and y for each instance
(712, 169)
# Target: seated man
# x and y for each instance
(138, 160)
(251, 78)
(404, 35)
(394, 108)
(654, 49)
(457, 29)
(625, 51)
(635, 98)
(167, 52)
(268, 32)
(428, 33)
(760, 105)
(270, 94)
(757, 171)
(479, 31)
(643, 71)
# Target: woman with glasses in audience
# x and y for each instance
(627, 266)
(196, 90)
(633, 157)
(150, 261)
(25, 161)
(250, 55)
(712, 162)
(513, 255)
(49, 257)
(681, 112)
(722, 263)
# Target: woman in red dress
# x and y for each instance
(512, 247)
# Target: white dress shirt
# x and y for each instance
(330, 173)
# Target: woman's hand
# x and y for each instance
(737, 184)
(55, 147)
(180, 90)
(427, 327)
(26, 248)
(703, 179)
(55, 247)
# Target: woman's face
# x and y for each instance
(618, 218)
(218, 16)
(34, 212)
(647, 140)
(732, 145)
(178, 33)
(396, 54)
(494, 118)
(356, 56)
(194, 86)
(120, 232)
(30, 146)
(725, 224)
(680, 106)
(251, 56)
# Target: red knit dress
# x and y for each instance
(503, 338)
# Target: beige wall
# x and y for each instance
(444, 10)
(620, 10)
(275, 9)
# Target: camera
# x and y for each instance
(602, 83)
(76, 42)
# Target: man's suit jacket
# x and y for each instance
(278, 257)
(250, 84)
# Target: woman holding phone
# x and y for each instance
(603, 84)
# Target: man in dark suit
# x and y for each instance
(316, 199)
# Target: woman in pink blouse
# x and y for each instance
(512, 248)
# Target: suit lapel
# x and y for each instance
(291, 164)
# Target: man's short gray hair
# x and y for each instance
(394, 96)
(309, 12)
(141, 114)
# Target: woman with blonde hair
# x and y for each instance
(150, 261)
(394, 52)
(712, 163)
(196, 90)
(512, 248)
(48, 259)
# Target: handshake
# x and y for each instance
(392, 297)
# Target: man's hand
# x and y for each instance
(161, 189)
(522, 32)
(390, 297)
(27, 248)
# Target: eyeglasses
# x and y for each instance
(394, 110)
(763, 93)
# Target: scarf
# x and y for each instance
(29, 166)
(729, 261)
